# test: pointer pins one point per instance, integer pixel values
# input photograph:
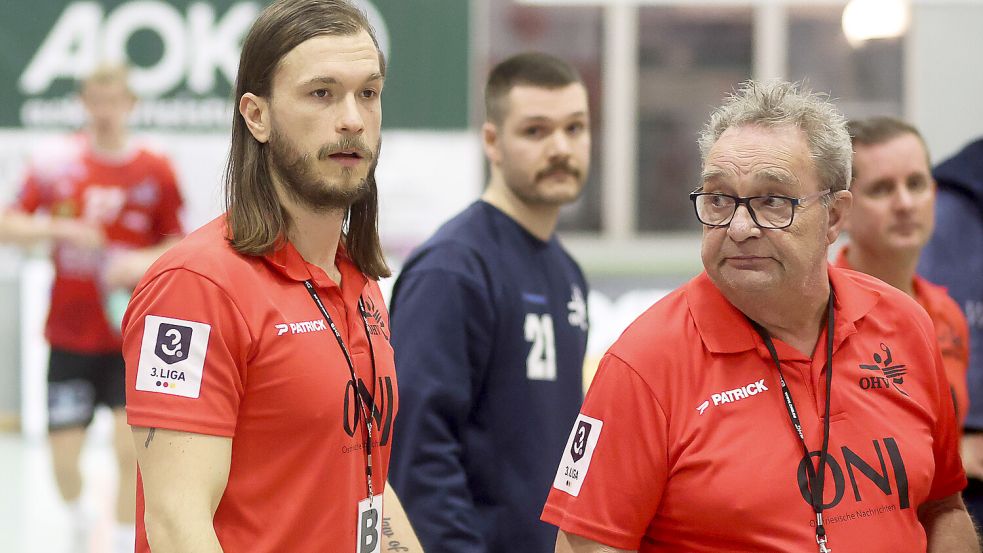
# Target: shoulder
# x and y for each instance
(888, 306)
(940, 303)
(207, 253)
(659, 333)
(456, 247)
(564, 256)
(57, 156)
(151, 153)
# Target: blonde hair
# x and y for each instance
(108, 73)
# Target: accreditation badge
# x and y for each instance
(369, 525)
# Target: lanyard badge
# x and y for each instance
(369, 525)
(359, 401)
(817, 479)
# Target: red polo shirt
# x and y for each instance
(230, 345)
(952, 332)
(684, 442)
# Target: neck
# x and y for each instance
(109, 142)
(796, 319)
(538, 219)
(896, 269)
(315, 235)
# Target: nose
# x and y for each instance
(742, 226)
(350, 120)
(560, 144)
(903, 199)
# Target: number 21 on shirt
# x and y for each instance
(541, 362)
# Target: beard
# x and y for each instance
(304, 183)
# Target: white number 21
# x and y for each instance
(541, 363)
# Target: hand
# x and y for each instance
(79, 233)
(971, 450)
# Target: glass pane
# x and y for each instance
(574, 34)
(865, 81)
(689, 59)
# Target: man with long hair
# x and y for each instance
(109, 203)
(260, 381)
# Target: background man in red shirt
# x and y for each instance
(110, 207)
(891, 220)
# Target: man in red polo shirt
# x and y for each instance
(110, 204)
(891, 220)
(773, 403)
(259, 375)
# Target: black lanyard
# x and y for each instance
(816, 481)
(351, 368)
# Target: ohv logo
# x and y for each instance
(377, 326)
(889, 374)
(173, 343)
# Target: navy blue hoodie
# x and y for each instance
(954, 255)
(489, 329)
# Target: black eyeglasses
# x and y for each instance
(714, 209)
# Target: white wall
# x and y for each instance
(944, 74)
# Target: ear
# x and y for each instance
(490, 143)
(839, 213)
(255, 111)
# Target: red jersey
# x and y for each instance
(136, 201)
(952, 332)
(230, 345)
(684, 442)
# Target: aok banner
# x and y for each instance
(184, 54)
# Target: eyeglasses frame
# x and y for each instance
(746, 202)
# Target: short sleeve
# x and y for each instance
(622, 482)
(949, 477)
(186, 346)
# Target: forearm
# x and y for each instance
(949, 530)
(398, 534)
(24, 230)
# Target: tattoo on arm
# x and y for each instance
(387, 530)
(150, 438)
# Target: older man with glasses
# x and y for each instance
(773, 403)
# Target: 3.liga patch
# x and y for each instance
(172, 356)
(577, 455)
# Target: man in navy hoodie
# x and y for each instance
(954, 258)
(489, 328)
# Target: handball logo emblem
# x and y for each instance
(173, 342)
(579, 445)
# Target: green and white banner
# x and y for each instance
(184, 55)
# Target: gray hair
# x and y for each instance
(776, 103)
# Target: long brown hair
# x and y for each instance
(256, 220)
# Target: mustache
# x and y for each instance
(346, 144)
(559, 165)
